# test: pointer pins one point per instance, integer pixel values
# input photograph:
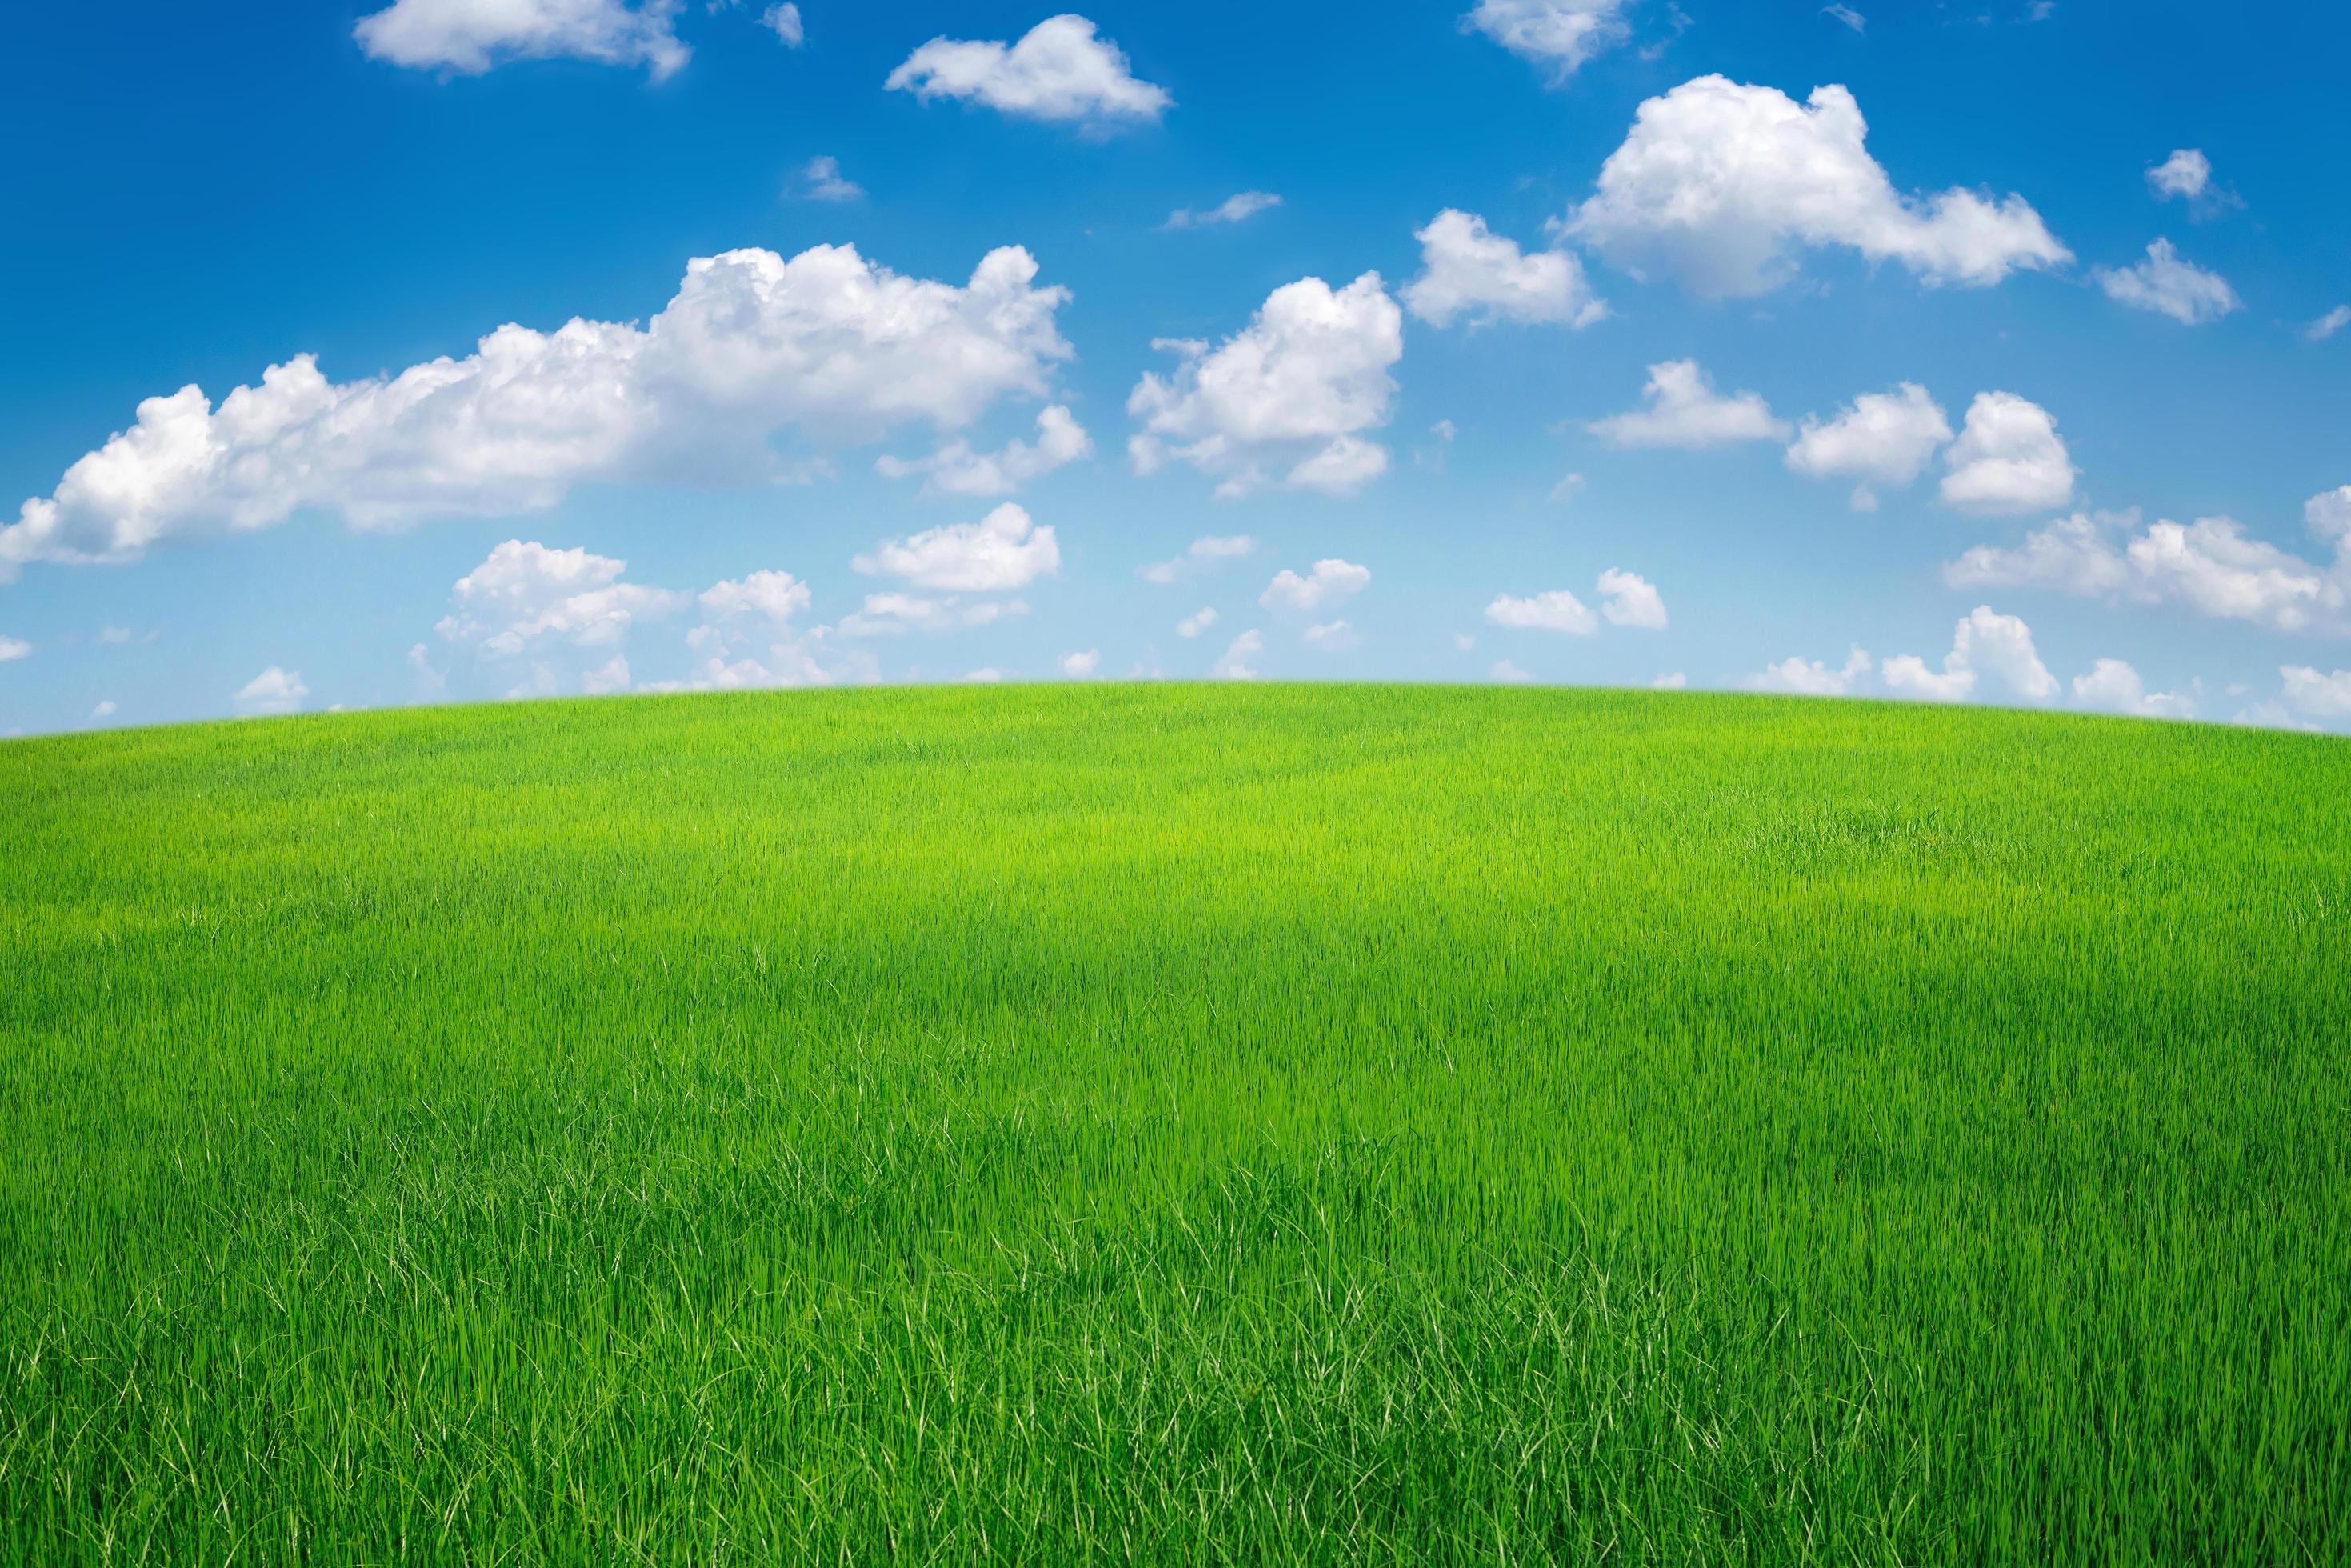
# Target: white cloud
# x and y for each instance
(1202, 555)
(2328, 518)
(1984, 645)
(1631, 600)
(774, 597)
(1193, 625)
(1333, 581)
(1003, 551)
(103, 711)
(527, 599)
(784, 21)
(895, 614)
(1081, 667)
(956, 470)
(1509, 673)
(1848, 15)
(1236, 664)
(826, 344)
(13, 649)
(2187, 174)
(1563, 35)
(1296, 389)
(2009, 458)
(470, 36)
(2167, 285)
(1879, 438)
(1567, 490)
(1330, 637)
(2318, 696)
(272, 691)
(819, 180)
(986, 676)
(2207, 566)
(1237, 209)
(1813, 678)
(1060, 71)
(1557, 611)
(1675, 682)
(2326, 326)
(1717, 183)
(1685, 411)
(1469, 270)
(2116, 688)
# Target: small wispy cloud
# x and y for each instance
(2326, 326)
(1848, 15)
(1232, 210)
(819, 180)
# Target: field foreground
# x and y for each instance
(1171, 1123)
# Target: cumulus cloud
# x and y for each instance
(1237, 663)
(1985, 645)
(2187, 174)
(103, 711)
(2209, 567)
(526, 596)
(2113, 687)
(1332, 580)
(1717, 183)
(1330, 637)
(1561, 35)
(1685, 411)
(1237, 209)
(1082, 666)
(826, 345)
(1557, 611)
(13, 649)
(820, 180)
(1294, 390)
(1004, 550)
(1674, 680)
(1060, 71)
(2326, 326)
(274, 691)
(1631, 600)
(1879, 439)
(774, 597)
(2009, 458)
(470, 36)
(1201, 555)
(956, 470)
(1812, 678)
(1508, 673)
(2169, 285)
(1193, 625)
(1469, 270)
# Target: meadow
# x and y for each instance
(1172, 1124)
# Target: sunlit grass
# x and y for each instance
(1176, 1125)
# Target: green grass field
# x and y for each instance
(1176, 1125)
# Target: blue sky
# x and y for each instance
(2077, 450)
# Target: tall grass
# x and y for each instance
(1175, 1124)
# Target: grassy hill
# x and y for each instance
(1175, 1124)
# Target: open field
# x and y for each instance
(1176, 1125)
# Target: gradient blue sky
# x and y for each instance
(197, 193)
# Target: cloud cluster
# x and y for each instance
(1003, 551)
(2209, 567)
(1060, 71)
(826, 345)
(1985, 645)
(1627, 600)
(1290, 395)
(1332, 580)
(1469, 270)
(1878, 439)
(1717, 183)
(470, 36)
